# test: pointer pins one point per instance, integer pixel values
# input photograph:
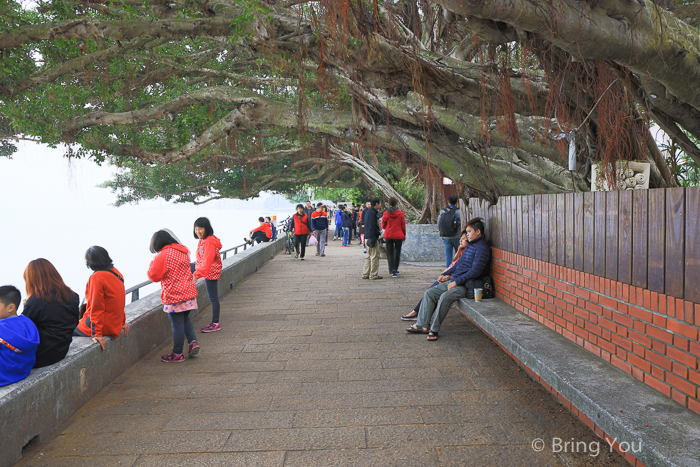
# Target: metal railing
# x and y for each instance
(134, 291)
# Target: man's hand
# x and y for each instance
(100, 340)
(442, 279)
(126, 329)
(452, 285)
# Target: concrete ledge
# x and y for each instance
(623, 407)
(33, 408)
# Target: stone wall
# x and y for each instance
(423, 243)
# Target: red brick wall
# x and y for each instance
(651, 336)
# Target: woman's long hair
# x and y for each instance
(44, 282)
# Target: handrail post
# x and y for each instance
(134, 295)
(224, 255)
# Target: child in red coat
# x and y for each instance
(171, 267)
(208, 266)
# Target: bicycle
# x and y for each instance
(287, 228)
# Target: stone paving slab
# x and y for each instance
(314, 368)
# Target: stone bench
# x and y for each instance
(33, 408)
(619, 405)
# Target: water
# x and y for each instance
(52, 208)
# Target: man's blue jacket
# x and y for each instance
(346, 219)
(473, 263)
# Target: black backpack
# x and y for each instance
(449, 222)
(484, 283)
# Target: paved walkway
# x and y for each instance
(313, 368)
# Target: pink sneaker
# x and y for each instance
(194, 349)
(211, 327)
(172, 358)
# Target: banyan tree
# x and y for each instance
(216, 98)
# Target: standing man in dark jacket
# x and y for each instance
(449, 225)
(371, 269)
(345, 223)
(473, 264)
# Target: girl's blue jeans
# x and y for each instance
(182, 327)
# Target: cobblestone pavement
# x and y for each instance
(314, 368)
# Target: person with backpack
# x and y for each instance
(449, 225)
(371, 268)
(301, 231)
(268, 220)
(338, 224)
(394, 225)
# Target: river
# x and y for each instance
(52, 208)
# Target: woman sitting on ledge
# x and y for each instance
(53, 308)
(105, 298)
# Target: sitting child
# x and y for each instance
(19, 338)
(263, 233)
(272, 228)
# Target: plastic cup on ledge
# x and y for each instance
(478, 295)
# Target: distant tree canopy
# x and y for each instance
(199, 99)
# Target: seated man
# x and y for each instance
(19, 338)
(263, 233)
(473, 264)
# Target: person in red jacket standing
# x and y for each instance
(301, 230)
(208, 266)
(394, 225)
(105, 299)
(171, 267)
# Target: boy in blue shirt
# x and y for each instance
(19, 338)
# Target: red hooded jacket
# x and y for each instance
(171, 267)
(394, 224)
(265, 228)
(301, 225)
(105, 299)
(208, 263)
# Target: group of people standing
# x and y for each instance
(41, 335)
(316, 219)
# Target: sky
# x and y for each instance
(51, 207)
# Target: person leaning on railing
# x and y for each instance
(104, 300)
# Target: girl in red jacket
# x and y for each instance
(394, 225)
(171, 267)
(301, 230)
(208, 266)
